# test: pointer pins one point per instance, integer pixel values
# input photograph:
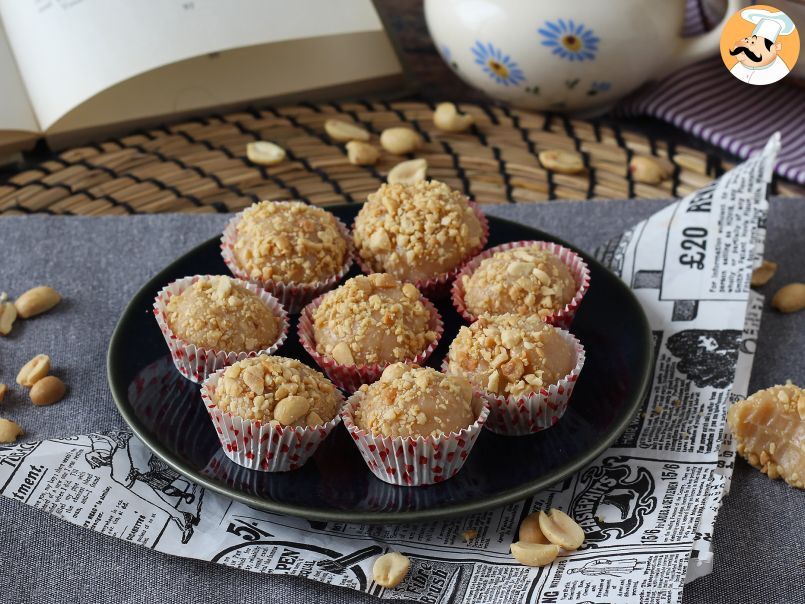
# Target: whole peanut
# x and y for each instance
(534, 554)
(789, 298)
(390, 569)
(9, 431)
(362, 154)
(344, 131)
(561, 529)
(400, 140)
(36, 301)
(446, 117)
(47, 391)
(34, 370)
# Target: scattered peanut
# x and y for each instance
(469, 534)
(342, 354)
(446, 117)
(8, 314)
(564, 162)
(400, 140)
(530, 531)
(362, 154)
(290, 409)
(789, 298)
(534, 554)
(3, 390)
(265, 153)
(561, 529)
(47, 391)
(36, 301)
(344, 131)
(34, 370)
(390, 569)
(9, 431)
(646, 170)
(408, 172)
(763, 274)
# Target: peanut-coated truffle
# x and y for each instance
(276, 388)
(524, 280)
(216, 312)
(415, 401)
(372, 319)
(769, 431)
(289, 242)
(511, 355)
(416, 231)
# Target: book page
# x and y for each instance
(70, 50)
(314, 67)
(16, 114)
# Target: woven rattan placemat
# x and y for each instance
(201, 165)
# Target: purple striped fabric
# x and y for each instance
(705, 100)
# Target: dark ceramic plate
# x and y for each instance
(166, 412)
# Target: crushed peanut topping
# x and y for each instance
(372, 319)
(523, 280)
(409, 400)
(289, 241)
(276, 388)
(510, 354)
(215, 312)
(769, 431)
(416, 231)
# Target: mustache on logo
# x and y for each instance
(743, 49)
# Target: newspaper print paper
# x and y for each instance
(647, 505)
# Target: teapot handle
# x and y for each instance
(693, 49)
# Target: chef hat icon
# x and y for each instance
(768, 24)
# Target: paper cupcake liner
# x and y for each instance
(526, 414)
(414, 461)
(197, 363)
(294, 296)
(350, 377)
(264, 446)
(438, 287)
(578, 268)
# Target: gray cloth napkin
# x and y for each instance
(99, 263)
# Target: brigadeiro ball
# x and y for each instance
(219, 312)
(415, 401)
(525, 367)
(415, 425)
(356, 330)
(271, 412)
(419, 233)
(295, 250)
(210, 321)
(524, 278)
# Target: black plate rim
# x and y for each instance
(329, 515)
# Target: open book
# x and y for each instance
(72, 69)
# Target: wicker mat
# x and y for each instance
(201, 165)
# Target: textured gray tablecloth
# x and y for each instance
(99, 263)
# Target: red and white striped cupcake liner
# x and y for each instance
(351, 377)
(414, 461)
(197, 363)
(526, 414)
(578, 268)
(438, 287)
(294, 296)
(259, 445)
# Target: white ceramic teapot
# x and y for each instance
(573, 55)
